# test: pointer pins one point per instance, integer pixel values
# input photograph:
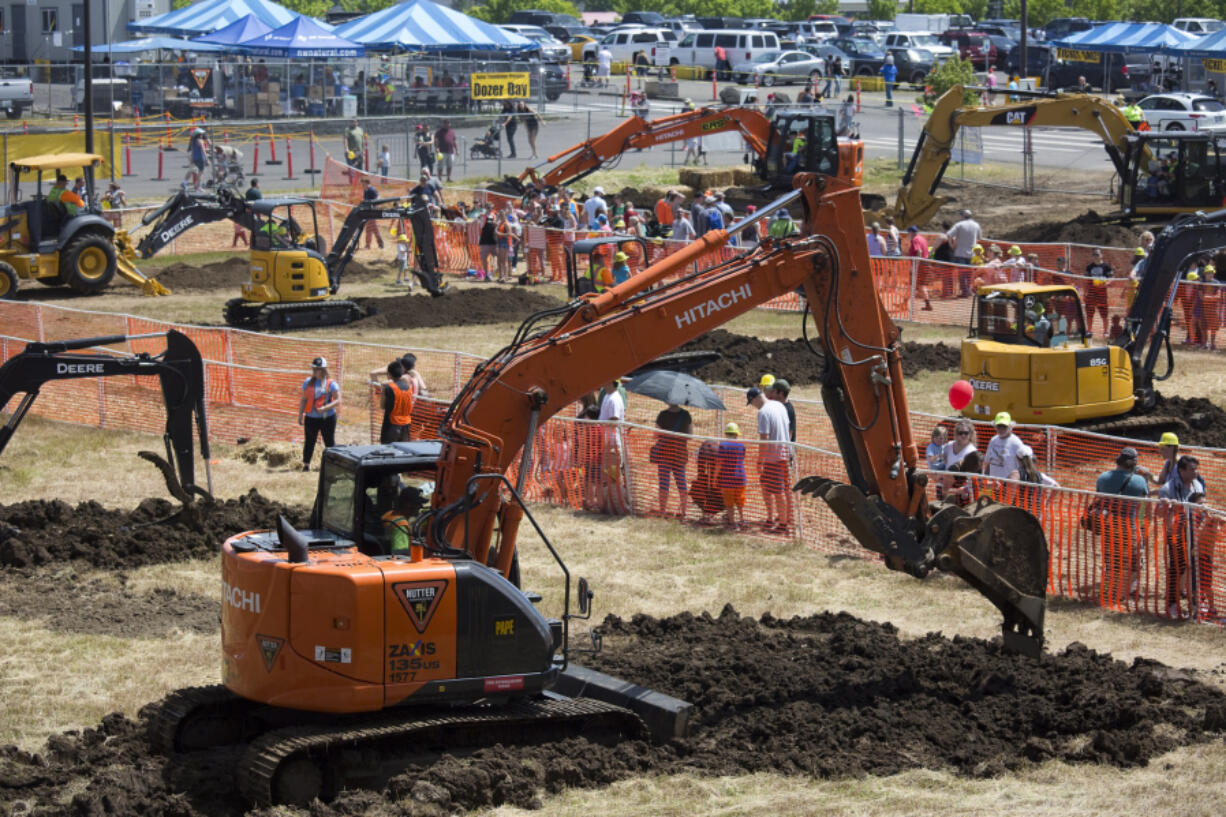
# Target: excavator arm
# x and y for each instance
(184, 210)
(917, 202)
(350, 234)
(179, 368)
(1147, 326)
(592, 154)
(562, 354)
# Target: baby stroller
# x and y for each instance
(227, 167)
(490, 145)
(590, 80)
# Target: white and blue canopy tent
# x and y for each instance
(146, 44)
(303, 38)
(1125, 38)
(426, 27)
(245, 28)
(207, 16)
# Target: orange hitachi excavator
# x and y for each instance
(343, 654)
(773, 142)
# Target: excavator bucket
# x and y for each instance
(124, 255)
(1000, 550)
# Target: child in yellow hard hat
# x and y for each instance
(730, 475)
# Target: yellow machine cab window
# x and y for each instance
(1046, 318)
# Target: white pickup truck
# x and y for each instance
(16, 95)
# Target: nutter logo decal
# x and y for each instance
(420, 600)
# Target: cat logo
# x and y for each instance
(270, 648)
(504, 627)
(420, 600)
(1015, 118)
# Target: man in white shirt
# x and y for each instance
(683, 228)
(773, 459)
(1003, 451)
(963, 237)
(594, 205)
(613, 407)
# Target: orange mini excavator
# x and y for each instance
(343, 660)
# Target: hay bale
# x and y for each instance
(745, 176)
(705, 178)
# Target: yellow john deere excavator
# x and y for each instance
(41, 240)
(1029, 353)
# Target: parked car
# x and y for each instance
(537, 17)
(577, 43)
(813, 31)
(714, 23)
(919, 39)
(1061, 27)
(1002, 46)
(552, 49)
(913, 64)
(779, 68)
(866, 57)
(972, 45)
(743, 45)
(17, 95)
(652, 19)
(555, 80)
(624, 42)
(1054, 73)
(1183, 111)
(1198, 25)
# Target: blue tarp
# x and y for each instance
(1125, 37)
(205, 16)
(151, 44)
(1211, 46)
(420, 25)
(242, 29)
(302, 38)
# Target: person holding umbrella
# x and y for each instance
(669, 453)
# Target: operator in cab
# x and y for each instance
(398, 522)
(60, 192)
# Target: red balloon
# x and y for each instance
(960, 394)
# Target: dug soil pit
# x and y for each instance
(1085, 229)
(745, 359)
(41, 531)
(1206, 421)
(103, 605)
(824, 696)
(462, 307)
(233, 272)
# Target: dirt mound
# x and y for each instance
(745, 359)
(1206, 421)
(41, 531)
(103, 605)
(272, 455)
(824, 696)
(1085, 229)
(233, 272)
(464, 307)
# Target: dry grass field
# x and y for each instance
(636, 566)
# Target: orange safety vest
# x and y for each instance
(313, 400)
(664, 213)
(402, 405)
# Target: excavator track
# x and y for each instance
(197, 718)
(296, 764)
(284, 317)
(1134, 424)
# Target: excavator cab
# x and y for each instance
(1173, 172)
(801, 141)
(1028, 353)
(599, 252)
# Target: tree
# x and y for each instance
(499, 11)
(938, 7)
(1038, 12)
(956, 71)
(882, 9)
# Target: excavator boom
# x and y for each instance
(597, 339)
(917, 202)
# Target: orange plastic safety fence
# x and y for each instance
(1158, 559)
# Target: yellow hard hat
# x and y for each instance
(1168, 438)
(1015, 250)
(1193, 276)
(1139, 252)
(767, 381)
(620, 256)
(977, 248)
(1004, 418)
(732, 428)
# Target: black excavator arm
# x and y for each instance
(184, 210)
(350, 234)
(1147, 327)
(180, 369)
